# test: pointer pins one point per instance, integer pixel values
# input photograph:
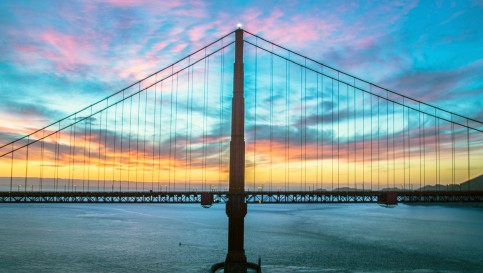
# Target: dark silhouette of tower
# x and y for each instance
(236, 207)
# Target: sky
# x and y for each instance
(57, 57)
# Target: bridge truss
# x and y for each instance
(221, 197)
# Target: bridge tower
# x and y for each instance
(236, 207)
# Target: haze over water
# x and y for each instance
(289, 238)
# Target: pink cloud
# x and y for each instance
(125, 3)
(160, 46)
(197, 33)
(179, 47)
(138, 68)
(65, 52)
(287, 29)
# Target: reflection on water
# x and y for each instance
(289, 238)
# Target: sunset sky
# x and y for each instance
(57, 57)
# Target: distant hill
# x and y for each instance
(347, 189)
(475, 184)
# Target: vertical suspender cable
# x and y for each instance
(355, 134)
(453, 163)
(114, 160)
(137, 137)
(420, 151)
(160, 132)
(271, 121)
(42, 143)
(387, 140)
(175, 130)
(371, 127)
(222, 84)
(154, 131)
(255, 118)
(436, 147)
(333, 134)
(301, 126)
(11, 169)
(347, 138)
(91, 119)
(323, 122)
(424, 153)
(187, 144)
(287, 126)
(288, 123)
(409, 150)
(220, 125)
(318, 129)
(27, 163)
(69, 166)
(378, 146)
(364, 138)
(129, 146)
(190, 90)
(338, 130)
(170, 128)
(57, 150)
(404, 143)
(73, 156)
(305, 126)
(145, 135)
(99, 153)
(203, 172)
(121, 156)
(468, 141)
(84, 157)
(206, 120)
(105, 145)
(393, 150)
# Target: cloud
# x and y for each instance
(79, 52)
(439, 85)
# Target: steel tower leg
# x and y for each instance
(236, 207)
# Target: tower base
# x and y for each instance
(231, 267)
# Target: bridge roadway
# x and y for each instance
(267, 197)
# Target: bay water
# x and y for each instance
(287, 237)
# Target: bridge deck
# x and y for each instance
(269, 197)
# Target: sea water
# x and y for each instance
(288, 238)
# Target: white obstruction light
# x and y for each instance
(239, 25)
